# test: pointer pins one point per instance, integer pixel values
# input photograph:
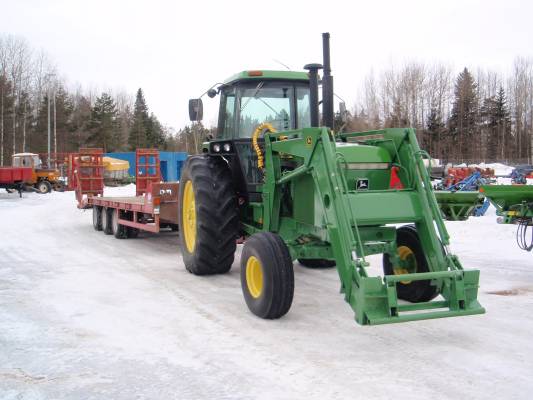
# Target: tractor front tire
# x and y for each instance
(97, 218)
(43, 187)
(208, 217)
(107, 220)
(414, 261)
(267, 275)
(119, 231)
(316, 263)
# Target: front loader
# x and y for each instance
(295, 190)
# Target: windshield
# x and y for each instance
(284, 105)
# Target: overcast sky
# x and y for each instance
(175, 50)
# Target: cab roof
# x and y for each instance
(254, 75)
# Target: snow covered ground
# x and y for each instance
(86, 316)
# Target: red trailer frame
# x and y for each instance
(154, 206)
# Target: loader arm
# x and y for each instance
(356, 223)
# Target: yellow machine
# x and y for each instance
(42, 179)
(115, 170)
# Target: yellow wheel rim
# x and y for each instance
(189, 217)
(254, 276)
(407, 256)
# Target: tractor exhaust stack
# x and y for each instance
(313, 93)
(327, 85)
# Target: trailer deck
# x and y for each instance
(155, 205)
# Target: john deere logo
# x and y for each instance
(308, 141)
(362, 184)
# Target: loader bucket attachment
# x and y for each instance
(458, 206)
(377, 302)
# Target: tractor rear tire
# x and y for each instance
(43, 187)
(107, 220)
(267, 275)
(207, 216)
(409, 246)
(119, 231)
(97, 218)
(316, 263)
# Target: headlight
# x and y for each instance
(227, 147)
(216, 148)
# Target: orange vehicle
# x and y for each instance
(42, 179)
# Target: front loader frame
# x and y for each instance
(355, 222)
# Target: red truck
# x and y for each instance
(13, 178)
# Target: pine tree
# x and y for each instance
(155, 136)
(464, 117)
(435, 133)
(138, 137)
(502, 125)
(103, 124)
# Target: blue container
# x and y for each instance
(170, 163)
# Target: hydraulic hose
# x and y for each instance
(265, 126)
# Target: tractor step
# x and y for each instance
(458, 289)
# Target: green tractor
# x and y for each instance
(293, 189)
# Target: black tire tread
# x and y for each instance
(97, 220)
(279, 289)
(107, 221)
(416, 291)
(216, 216)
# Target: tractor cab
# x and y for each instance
(30, 160)
(43, 179)
(247, 100)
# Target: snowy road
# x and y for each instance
(86, 316)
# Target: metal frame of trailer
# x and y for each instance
(158, 205)
(154, 206)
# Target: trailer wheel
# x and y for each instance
(132, 233)
(43, 187)
(97, 218)
(267, 275)
(316, 263)
(207, 216)
(412, 260)
(107, 216)
(119, 231)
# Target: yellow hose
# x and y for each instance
(264, 126)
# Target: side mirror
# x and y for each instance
(196, 109)
(343, 112)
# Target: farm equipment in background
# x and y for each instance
(115, 171)
(514, 205)
(43, 180)
(462, 198)
(459, 205)
(297, 191)
(459, 175)
(520, 174)
(14, 178)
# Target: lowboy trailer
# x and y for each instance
(154, 207)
